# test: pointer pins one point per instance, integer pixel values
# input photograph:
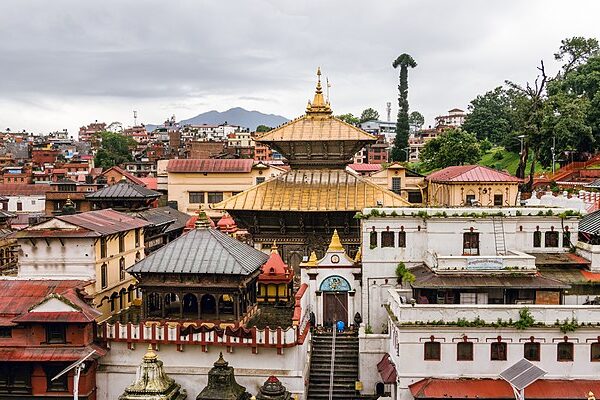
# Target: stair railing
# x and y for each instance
(332, 366)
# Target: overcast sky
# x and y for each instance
(68, 63)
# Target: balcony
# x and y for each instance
(543, 315)
(512, 261)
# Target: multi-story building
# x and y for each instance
(385, 128)
(467, 185)
(68, 190)
(8, 251)
(24, 198)
(455, 118)
(45, 325)
(95, 246)
(401, 180)
(89, 133)
(198, 184)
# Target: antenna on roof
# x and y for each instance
(388, 108)
(328, 86)
(78, 365)
(134, 118)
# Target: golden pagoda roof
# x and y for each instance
(317, 124)
(313, 190)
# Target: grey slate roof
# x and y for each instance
(123, 190)
(590, 223)
(203, 251)
(163, 215)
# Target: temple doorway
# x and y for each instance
(335, 307)
(190, 305)
(208, 305)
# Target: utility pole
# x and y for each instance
(552, 149)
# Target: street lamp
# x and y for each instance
(521, 137)
(406, 150)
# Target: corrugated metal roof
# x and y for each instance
(203, 251)
(427, 279)
(68, 317)
(387, 369)
(595, 184)
(307, 128)
(49, 353)
(365, 167)
(123, 190)
(470, 173)
(105, 222)
(313, 190)
(210, 165)
(559, 259)
(128, 175)
(18, 189)
(164, 215)
(590, 223)
(432, 388)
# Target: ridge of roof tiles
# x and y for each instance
(210, 165)
(123, 190)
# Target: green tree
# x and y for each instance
(416, 120)
(576, 51)
(453, 147)
(114, 150)
(491, 115)
(349, 119)
(263, 128)
(398, 153)
(368, 115)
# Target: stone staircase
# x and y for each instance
(345, 366)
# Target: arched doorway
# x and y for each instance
(171, 304)
(208, 304)
(190, 305)
(154, 306)
(335, 299)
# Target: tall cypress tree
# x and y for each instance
(404, 61)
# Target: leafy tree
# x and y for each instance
(114, 150)
(453, 147)
(398, 153)
(576, 51)
(416, 120)
(368, 115)
(263, 128)
(491, 116)
(349, 118)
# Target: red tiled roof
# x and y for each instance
(151, 183)
(210, 165)
(365, 167)
(59, 171)
(48, 316)
(470, 173)
(24, 189)
(591, 276)
(126, 174)
(499, 389)
(17, 296)
(387, 369)
(49, 353)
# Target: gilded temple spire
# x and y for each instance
(318, 107)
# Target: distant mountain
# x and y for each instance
(234, 116)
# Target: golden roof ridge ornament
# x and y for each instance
(319, 107)
(274, 249)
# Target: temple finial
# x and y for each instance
(274, 247)
(150, 354)
(318, 106)
(336, 244)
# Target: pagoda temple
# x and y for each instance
(301, 208)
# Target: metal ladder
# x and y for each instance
(499, 238)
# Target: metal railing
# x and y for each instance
(332, 366)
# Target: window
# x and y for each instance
(464, 351)
(103, 248)
(564, 351)
(196, 197)
(19, 206)
(401, 239)
(215, 197)
(551, 239)
(373, 239)
(498, 351)
(56, 334)
(537, 239)
(471, 243)
(5, 332)
(470, 199)
(15, 378)
(137, 238)
(103, 276)
(260, 179)
(387, 239)
(531, 351)
(122, 269)
(415, 197)
(566, 239)
(432, 351)
(60, 384)
(396, 185)
(498, 200)
(595, 352)
(121, 243)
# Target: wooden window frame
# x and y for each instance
(388, 239)
(533, 345)
(498, 356)
(432, 351)
(570, 357)
(468, 347)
